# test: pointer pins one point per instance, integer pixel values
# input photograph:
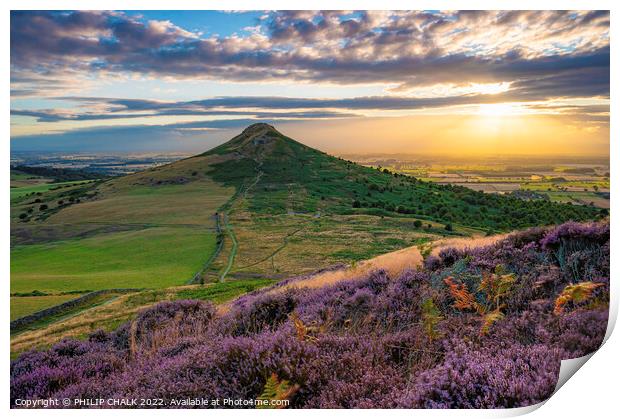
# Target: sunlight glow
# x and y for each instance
(490, 88)
(498, 109)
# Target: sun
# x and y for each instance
(497, 109)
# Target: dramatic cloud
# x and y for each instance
(55, 115)
(288, 108)
(82, 74)
(407, 48)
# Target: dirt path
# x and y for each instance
(198, 276)
(233, 249)
(228, 227)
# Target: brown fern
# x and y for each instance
(575, 293)
(494, 285)
(304, 333)
(463, 299)
(489, 319)
(276, 389)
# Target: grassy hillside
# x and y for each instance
(149, 230)
(29, 190)
(259, 206)
(297, 178)
(474, 328)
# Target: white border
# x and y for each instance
(592, 394)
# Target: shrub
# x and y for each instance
(486, 337)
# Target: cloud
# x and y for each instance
(197, 136)
(546, 60)
(406, 48)
(540, 89)
(55, 115)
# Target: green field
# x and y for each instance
(151, 258)
(222, 292)
(23, 306)
(17, 193)
(17, 175)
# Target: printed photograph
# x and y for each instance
(306, 209)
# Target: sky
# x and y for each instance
(414, 82)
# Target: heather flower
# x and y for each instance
(372, 341)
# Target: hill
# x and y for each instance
(297, 178)
(474, 328)
(258, 208)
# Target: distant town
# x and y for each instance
(108, 165)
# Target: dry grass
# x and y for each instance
(286, 245)
(394, 263)
(173, 204)
(462, 243)
(115, 312)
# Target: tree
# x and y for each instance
(43, 207)
(417, 223)
(23, 215)
(448, 227)
(356, 204)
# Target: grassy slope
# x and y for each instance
(301, 179)
(167, 213)
(152, 229)
(22, 306)
(149, 258)
(275, 222)
(23, 191)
